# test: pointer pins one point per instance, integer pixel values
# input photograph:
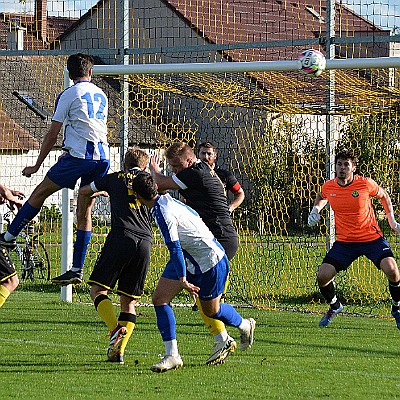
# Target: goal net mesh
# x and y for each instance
(277, 131)
(271, 130)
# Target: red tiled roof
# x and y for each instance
(13, 136)
(55, 27)
(231, 21)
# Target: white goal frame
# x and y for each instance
(147, 69)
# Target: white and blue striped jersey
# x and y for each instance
(186, 236)
(83, 108)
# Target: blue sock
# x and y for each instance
(166, 322)
(228, 315)
(25, 214)
(80, 248)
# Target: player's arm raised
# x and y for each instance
(163, 182)
(319, 204)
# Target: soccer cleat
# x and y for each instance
(8, 244)
(117, 358)
(221, 351)
(116, 337)
(167, 363)
(247, 338)
(396, 316)
(329, 315)
(67, 278)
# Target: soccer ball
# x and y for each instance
(311, 63)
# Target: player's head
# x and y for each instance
(346, 155)
(345, 165)
(79, 65)
(208, 153)
(144, 186)
(136, 158)
(180, 156)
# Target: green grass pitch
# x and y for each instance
(55, 350)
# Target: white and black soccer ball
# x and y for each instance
(311, 63)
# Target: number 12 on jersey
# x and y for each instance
(99, 101)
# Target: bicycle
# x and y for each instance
(31, 252)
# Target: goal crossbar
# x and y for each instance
(255, 66)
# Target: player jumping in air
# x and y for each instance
(83, 108)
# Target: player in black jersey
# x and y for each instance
(208, 153)
(204, 192)
(8, 275)
(125, 257)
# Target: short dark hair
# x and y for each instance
(144, 186)
(79, 65)
(346, 155)
(207, 145)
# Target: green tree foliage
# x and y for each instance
(375, 140)
(290, 170)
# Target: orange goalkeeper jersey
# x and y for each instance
(355, 219)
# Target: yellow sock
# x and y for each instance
(215, 326)
(129, 321)
(105, 309)
(4, 293)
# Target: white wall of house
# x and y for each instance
(13, 164)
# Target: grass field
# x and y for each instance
(55, 350)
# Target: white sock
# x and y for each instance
(245, 325)
(8, 237)
(171, 348)
(221, 337)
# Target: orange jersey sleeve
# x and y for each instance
(355, 219)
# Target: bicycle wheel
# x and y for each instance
(40, 261)
(27, 264)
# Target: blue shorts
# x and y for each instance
(67, 170)
(211, 283)
(342, 254)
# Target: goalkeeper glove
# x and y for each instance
(393, 224)
(314, 217)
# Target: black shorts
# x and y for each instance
(7, 269)
(230, 245)
(125, 259)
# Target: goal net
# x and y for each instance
(277, 131)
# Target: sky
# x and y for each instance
(385, 13)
